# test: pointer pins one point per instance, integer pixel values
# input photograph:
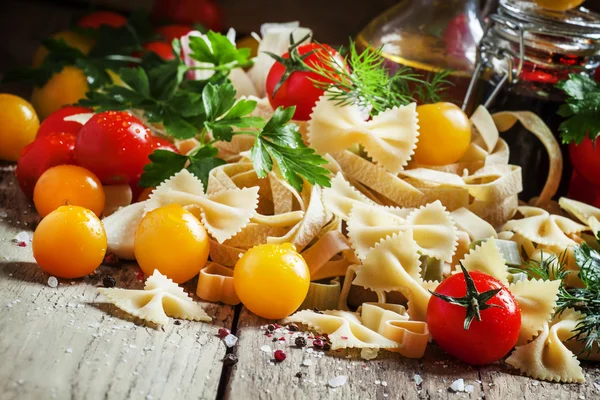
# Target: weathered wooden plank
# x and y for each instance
(507, 384)
(389, 376)
(67, 342)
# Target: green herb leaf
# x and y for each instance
(283, 143)
(163, 165)
(219, 51)
(582, 109)
(203, 162)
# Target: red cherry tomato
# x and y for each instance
(115, 146)
(485, 341)
(170, 32)
(161, 49)
(155, 144)
(163, 144)
(45, 152)
(96, 19)
(205, 12)
(56, 121)
(585, 158)
(298, 89)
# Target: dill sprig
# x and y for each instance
(362, 78)
(584, 299)
(550, 267)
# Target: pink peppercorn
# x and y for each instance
(279, 355)
(223, 332)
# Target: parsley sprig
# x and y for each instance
(582, 109)
(281, 142)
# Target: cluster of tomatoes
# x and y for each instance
(70, 84)
(112, 147)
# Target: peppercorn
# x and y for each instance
(292, 327)
(279, 355)
(270, 327)
(300, 341)
(109, 282)
(326, 346)
(299, 375)
(223, 332)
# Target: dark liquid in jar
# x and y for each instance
(526, 150)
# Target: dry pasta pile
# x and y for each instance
(387, 226)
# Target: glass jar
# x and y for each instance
(429, 35)
(525, 51)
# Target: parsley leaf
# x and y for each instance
(203, 161)
(582, 109)
(219, 51)
(164, 164)
(283, 143)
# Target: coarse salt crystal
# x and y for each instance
(338, 381)
(469, 388)
(266, 348)
(53, 282)
(230, 340)
(458, 385)
(307, 362)
(368, 353)
(22, 237)
(69, 350)
(383, 383)
(418, 380)
(3, 214)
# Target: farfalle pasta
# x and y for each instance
(547, 357)
(539, 226)
(389, 138)
(393, 265)
(160, 299)
(223, 213)
(377, 326)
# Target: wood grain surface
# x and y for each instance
(68, 343)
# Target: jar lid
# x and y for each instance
(576, 31)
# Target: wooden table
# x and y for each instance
(68, 343)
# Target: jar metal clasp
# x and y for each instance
(489, 52)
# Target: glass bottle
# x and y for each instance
(525, 51)
(429, 35)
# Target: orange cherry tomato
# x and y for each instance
(65, 87)
(70, 242)
(18, 126)
(96, 19)
(68, 185)
(271, 280)
(444, 134)
(172, 241)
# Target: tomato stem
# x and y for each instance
(473, 301)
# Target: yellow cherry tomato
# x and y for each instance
(68, 185)
(70, 242)
(271, 280)
(65, 87)
(18, 126)
(444, 134)
(73, 39)
(173, 241)
(559, 5)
